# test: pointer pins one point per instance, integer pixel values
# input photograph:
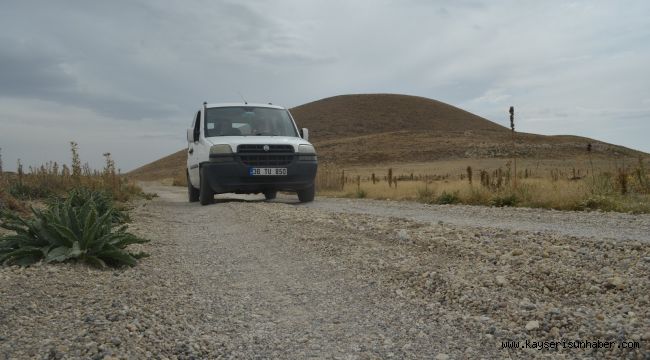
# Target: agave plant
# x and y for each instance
(103, 202)
(66, 232)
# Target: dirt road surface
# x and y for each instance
(343, 279)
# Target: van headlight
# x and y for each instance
(306, 153)
(221, 153)
(220, 149)
(306, 149)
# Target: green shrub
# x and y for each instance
(426, 195)
(25, 192)
(65, 231)
(448, 198)
(478, 196)
(360, 194)
(602, 184)
(149, 196)
(504, 200)
(598, 202)
(103, 201)
(8, 202)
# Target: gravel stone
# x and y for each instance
(532, 325)
(615, 282)
(403, 235)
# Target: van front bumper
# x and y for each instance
(234, 177)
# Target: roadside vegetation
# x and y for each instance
(58, 214)
(623, 189)
(84, 227)
(52, 178)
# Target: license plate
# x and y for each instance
(267, 171)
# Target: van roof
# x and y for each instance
(217, 105)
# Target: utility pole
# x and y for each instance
(514, 150)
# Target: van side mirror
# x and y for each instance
(190, 135)
(304, 133)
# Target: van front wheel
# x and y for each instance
(206, 195)
(307, 195)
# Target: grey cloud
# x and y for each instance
(243, 31)
(140, 60)
(26, 70)
(31, 72)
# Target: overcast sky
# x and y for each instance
(125, 76)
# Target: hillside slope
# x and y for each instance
(383, 128)
(364, 114)
(171, 166)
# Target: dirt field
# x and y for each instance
(342, 278)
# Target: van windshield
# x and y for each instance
(248, 121)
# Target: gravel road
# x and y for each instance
(338, 278)
(571, 223)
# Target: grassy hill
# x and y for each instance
(385, 128)
(171, 166)
(357, 115)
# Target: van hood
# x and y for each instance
(235, 141)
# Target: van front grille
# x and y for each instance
(263, 160)
(272, 149)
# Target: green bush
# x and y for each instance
(504, 200)
(637, 204)
(26, 192)
(448, 198)
(426, 195)
(148, 196)
(360, 194)
(8, 202)
(103, 201)
(598, 202)
(602, 184)
(68, 231)
(478, 196)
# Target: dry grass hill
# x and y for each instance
(357, 115)
(171, 166)
(385, 128)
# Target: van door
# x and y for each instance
(193, 152)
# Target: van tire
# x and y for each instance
(307, 195)
(192, 192)
(206, 195)
(270, 195)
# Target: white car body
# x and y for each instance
(199, 151)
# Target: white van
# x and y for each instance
(248, 149)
